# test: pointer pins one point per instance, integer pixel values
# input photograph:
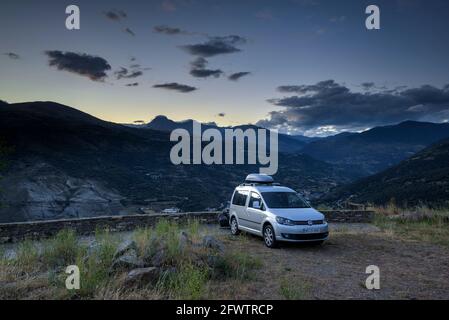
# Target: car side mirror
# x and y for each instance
(256, 204)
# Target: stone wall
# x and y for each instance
(349, 216)
(13, 232)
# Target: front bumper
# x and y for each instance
(302, 233)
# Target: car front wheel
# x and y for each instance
(269, 236)
(234, 226)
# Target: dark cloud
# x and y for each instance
(134, 84)
(205, 73)
(130, 32)
(216, 46)
(175, 86)
(329, 104)
(198, 69)
(221, 114)
(139, 122)
(93, 67)
(115, 15)
(236, 76)
(368, 85)
(169, 30)
(12, 55)
(124, 73)
(199, 63)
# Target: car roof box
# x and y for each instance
(259, 178)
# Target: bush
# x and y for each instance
(62, 250)
(27, 258)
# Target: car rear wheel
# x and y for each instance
(269, 236)
(234, 226)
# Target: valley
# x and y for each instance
(62, 162)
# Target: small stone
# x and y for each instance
(212, 243)
(127, 261)
(141, 276)
(125, 246)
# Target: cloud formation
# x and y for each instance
(12, 55)
(221, 114)
(169, 30)
(176, 87)
(236, 76)
(198, 69)
(216, 46)
(83, 64)
(124, 73)
(134, 84)
(328, 104)
(130, 32)
(115, 15)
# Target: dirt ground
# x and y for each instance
(336, 270)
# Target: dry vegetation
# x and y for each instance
(187, 271)
(409, 246)
(420, 223)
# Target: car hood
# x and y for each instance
(298, 214)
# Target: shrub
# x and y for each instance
(27, 258)
(62, 250)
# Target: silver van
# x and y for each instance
(274, 212)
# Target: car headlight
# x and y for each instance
(284, 221)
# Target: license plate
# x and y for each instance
(311, 230)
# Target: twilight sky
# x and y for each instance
(302, 66)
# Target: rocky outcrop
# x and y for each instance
(42, 192)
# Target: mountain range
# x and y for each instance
(287, 144)
(379, 148)
(66, 163)
(421, 179)
(367, 152)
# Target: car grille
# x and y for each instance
(305, 236)
(306, 223)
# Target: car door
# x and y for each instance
(255, 211)
(239, 206)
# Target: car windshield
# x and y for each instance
(284, 200)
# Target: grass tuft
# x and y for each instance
(294, 289)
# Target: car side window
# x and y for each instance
(239, 198)
(255, 197)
